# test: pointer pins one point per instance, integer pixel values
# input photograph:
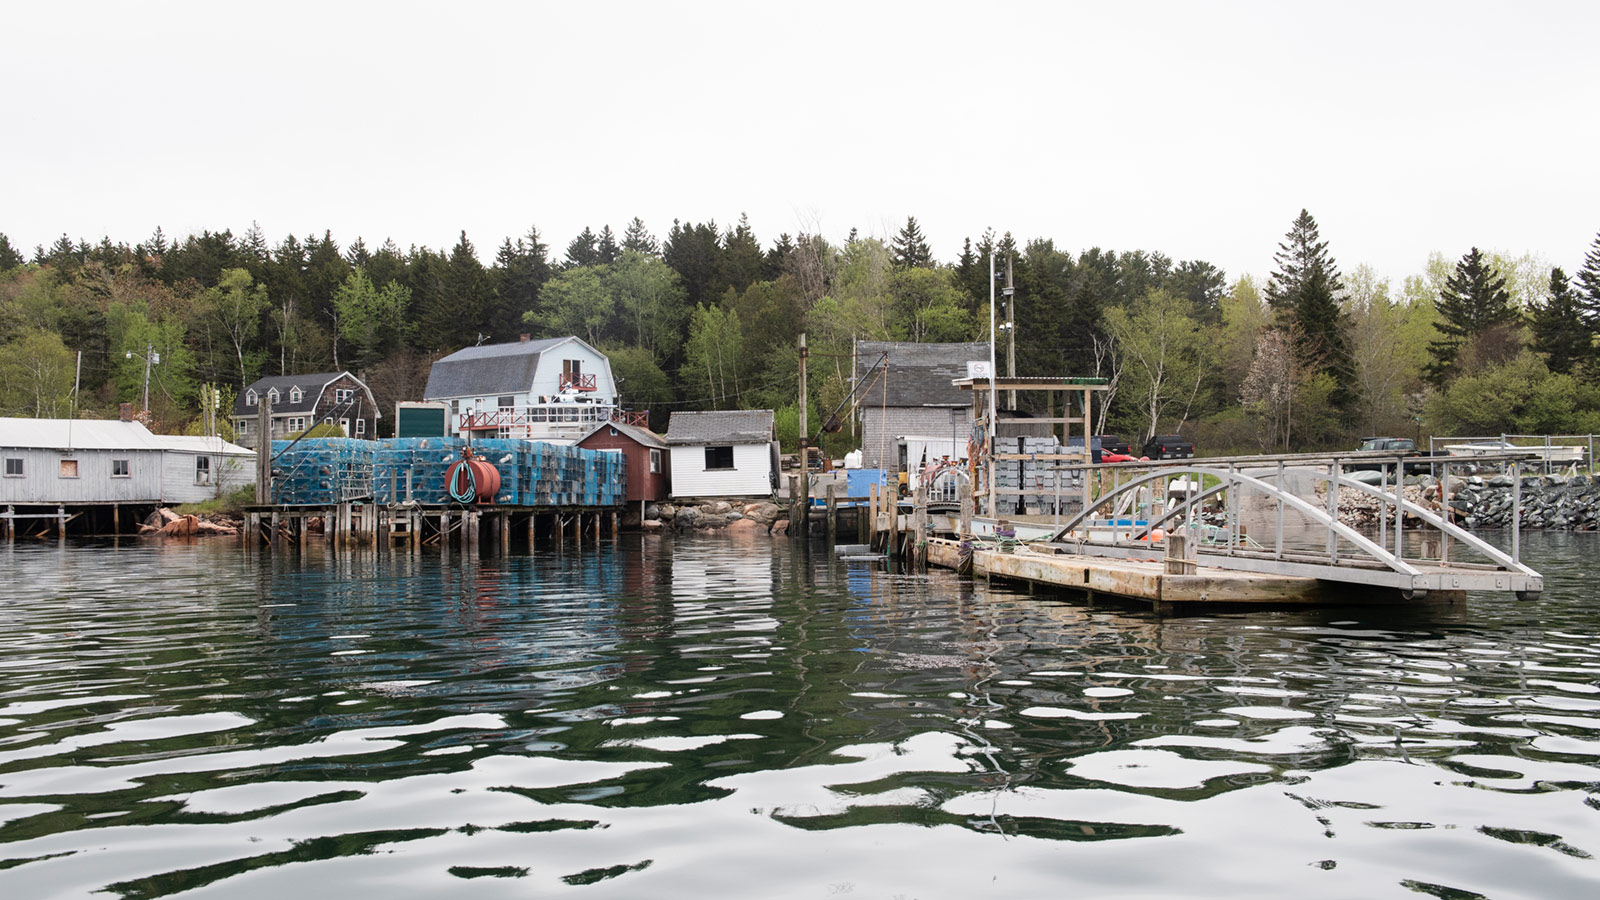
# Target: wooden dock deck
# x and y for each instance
(1151, 581)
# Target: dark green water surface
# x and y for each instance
(704, 718)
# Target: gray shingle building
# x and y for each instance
(914, 398)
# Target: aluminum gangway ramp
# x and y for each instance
(1344, 555)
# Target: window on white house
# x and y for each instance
(250, 398)
(655, 462)
(121, 468)
(13, 467)
(508, 401)
(202, 470)
(719, 458)
(69, 468)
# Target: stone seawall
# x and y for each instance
(1549, 502)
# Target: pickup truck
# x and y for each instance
(1168, 446)
(1416, 461)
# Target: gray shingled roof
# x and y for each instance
(643, 436)
(488, 369)
(919, 374)
(735, 426)
(310, 387)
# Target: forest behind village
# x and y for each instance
(1312, 356)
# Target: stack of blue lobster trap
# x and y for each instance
(326, 471)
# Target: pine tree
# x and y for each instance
(1305, 291)
(639, 239)
(1589, 286)
(741, 255)
(1473, 301)
(1559, 331)
(583, 251)
(606, 249)
(910, 248)
(695, 253)
(772, 265)
(9, 257)
(521, 269)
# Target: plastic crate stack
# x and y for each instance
(425, 459)
(322, 471)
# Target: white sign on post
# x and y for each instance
(978, 369)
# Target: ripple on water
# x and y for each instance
(169, 724)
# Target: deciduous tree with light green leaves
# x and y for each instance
(36, 375)
(238, 304)
(373, 320)
(716, 353)
(1164, 359)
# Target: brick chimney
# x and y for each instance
(524, 338)
(125, 412)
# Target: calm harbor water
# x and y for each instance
(703, 718)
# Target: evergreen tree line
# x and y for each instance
(708, 317)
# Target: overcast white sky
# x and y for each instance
(1196, 129)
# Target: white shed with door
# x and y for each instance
(195, 469)
(722, 453)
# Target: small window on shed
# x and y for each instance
(121, 468)
(655, 462)
(202, 470)
(13, 467)
(69, 468)
(719, 458)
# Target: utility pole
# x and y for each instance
(150, 357)
(805, 453)
(1011, 333)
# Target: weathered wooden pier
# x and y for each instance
(415, 528)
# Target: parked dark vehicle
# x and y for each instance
(1168, 446)
(1110, 443)
(1416, 462)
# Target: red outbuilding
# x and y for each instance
(646, 453)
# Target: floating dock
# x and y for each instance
(1223, 538)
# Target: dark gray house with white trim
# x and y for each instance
(301, 401)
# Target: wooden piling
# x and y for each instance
(833, 515)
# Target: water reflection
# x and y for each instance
(660, 718)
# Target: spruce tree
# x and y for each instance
(607, 248)
(742, 259)
(1474, 300)
(1305, 291)
(1559, 331)
(909, 249)
(773, 263)
(9, 257)
(584, 250)
(1589, 287)
(639, 239)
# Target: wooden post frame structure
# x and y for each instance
(1076, 409)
